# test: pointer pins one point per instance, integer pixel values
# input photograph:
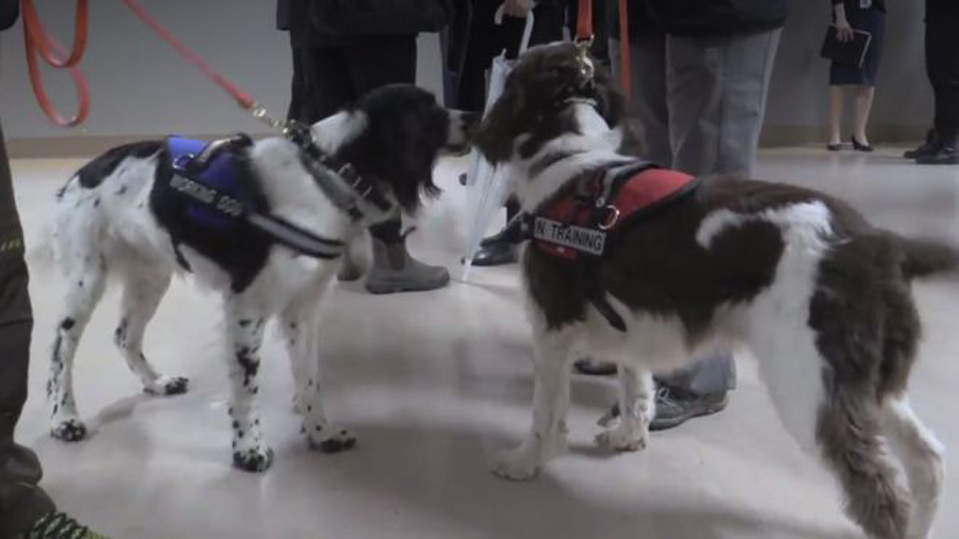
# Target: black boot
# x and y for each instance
(927, 147)
(944, 153)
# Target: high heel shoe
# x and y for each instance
(860, 147)
(834, 147)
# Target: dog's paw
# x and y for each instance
(515, 465)
(337, 441)
(168, 385)
(255, 459)
(71, 430)
(622, 439)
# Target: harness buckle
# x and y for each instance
(182, 161)
(611, 218)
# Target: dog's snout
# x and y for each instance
(463, 127)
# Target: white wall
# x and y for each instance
(798, 94)
(139, 87)
(138, 84)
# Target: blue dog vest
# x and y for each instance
(217, 198)
(211, 191)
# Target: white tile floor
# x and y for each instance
(435, 382)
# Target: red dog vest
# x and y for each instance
(607, 204)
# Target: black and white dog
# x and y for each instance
(820, 296)
(118, 217)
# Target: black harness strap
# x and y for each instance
(338, 180)
(294, 237)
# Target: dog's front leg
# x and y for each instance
(250, 452)
(547, 436)
(637, 407)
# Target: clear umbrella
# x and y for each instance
(488, 186)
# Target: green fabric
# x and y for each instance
(60, 526)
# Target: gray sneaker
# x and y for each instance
(675, 406)
(394, 270)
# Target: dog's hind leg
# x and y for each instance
(637, 405)
(143, 289)
(921, 457)
(854, 446)
(245, 327)
(300, 333)
(547, 435)
(830, 408)
(85, 281)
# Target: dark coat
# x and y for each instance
(703, 18)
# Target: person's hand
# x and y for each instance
(844, 30)
(518, 8)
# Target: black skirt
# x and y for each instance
(867, 20)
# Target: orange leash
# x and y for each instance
(37, 43)
(624, 66)
(584, 34)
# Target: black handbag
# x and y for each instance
(9, 10)
(377, 17)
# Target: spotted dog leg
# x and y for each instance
(142, 293)
(301, 340)
(250, 452)
(86, 283)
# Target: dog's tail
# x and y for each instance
(926, 257)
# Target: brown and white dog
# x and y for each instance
(821, 297)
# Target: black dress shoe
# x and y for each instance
(944, 154)
(927, 147)
(495, 253)
(860, 147)
(834, 147)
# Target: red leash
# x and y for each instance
(36, 42)
(584, 34)
(244, 100)
(36, 39)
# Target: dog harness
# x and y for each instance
(584, 225)
(212, 180)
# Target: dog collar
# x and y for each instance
(339, 180)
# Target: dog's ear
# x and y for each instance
(503, 123)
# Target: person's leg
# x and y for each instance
(648, 78)
(22, 502)
(297, 86)
(368, 67)
(717, 92)
(24, 507)
(942, 64)
(326, 83)
(836, 96)
(864, 99)
(717, 98)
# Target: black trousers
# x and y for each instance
(326, 79)
(942, 66)
(22, 502)
(487, 40)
